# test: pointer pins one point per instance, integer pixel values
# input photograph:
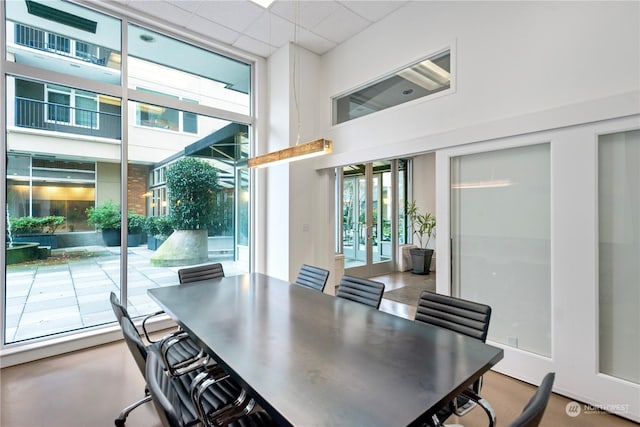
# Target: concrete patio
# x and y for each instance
(72, 290)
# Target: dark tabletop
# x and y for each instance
(314, 359)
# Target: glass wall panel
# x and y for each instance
(354, 204)
(403, 228)
(64, 37)
(196, 74)
(160, 240)
(60, 270)
(619, 253)
(382, 210)
(500, 230)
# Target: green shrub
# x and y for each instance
(25, 225)
(158, 226)
(105, 216)
(32, 225)
(135, 222)
(191, 184)
(51, 223)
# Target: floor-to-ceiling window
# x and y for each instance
(66, 138)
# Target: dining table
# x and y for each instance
(312, 359)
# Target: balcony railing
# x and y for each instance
(30, 113)
(60, 45)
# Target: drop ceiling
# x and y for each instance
(318, 26)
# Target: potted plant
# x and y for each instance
(422, 224)
(106, 217)
(158, 229)
(135, 224)
(191, 186)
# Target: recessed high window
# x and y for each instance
(424, 78)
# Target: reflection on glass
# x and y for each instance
(501, 241)
(38, 38)
(196, 75)
(619, 252)
(425, 78)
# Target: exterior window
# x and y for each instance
(157, 117)
(57, 43)
(425, 78)
(41, 187)
(72, 107)
(166, 118)
(190, 120)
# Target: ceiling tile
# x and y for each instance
(237, 15)
(213, 30)
(188, 5)
(271, 29)
(320, 25)
(314, 42)
(309, 13)
(165, 11)
(341, 25)
(254, 46)
(373, 10)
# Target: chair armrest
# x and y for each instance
(197, 361)
(240, 407)
(144, 325)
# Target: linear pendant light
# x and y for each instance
(297, 152)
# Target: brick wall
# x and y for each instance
(137, 187)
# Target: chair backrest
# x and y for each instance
(135, 344)
(118, 309)
(312, 277)
(200, 272)
(162, 392)
(456, 314)
(364, 291)
(532, 413)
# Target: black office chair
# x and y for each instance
(364, 291)
(179, 353)
(209, 398)
(465, 317)
(312, 277)
(200, 272)
(120, 311)
(534, 410)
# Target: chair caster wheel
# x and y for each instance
(119, 423)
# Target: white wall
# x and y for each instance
(294, 213)
(510, 59)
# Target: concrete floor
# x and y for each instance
(90, 387)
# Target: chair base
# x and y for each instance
(122, 418)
